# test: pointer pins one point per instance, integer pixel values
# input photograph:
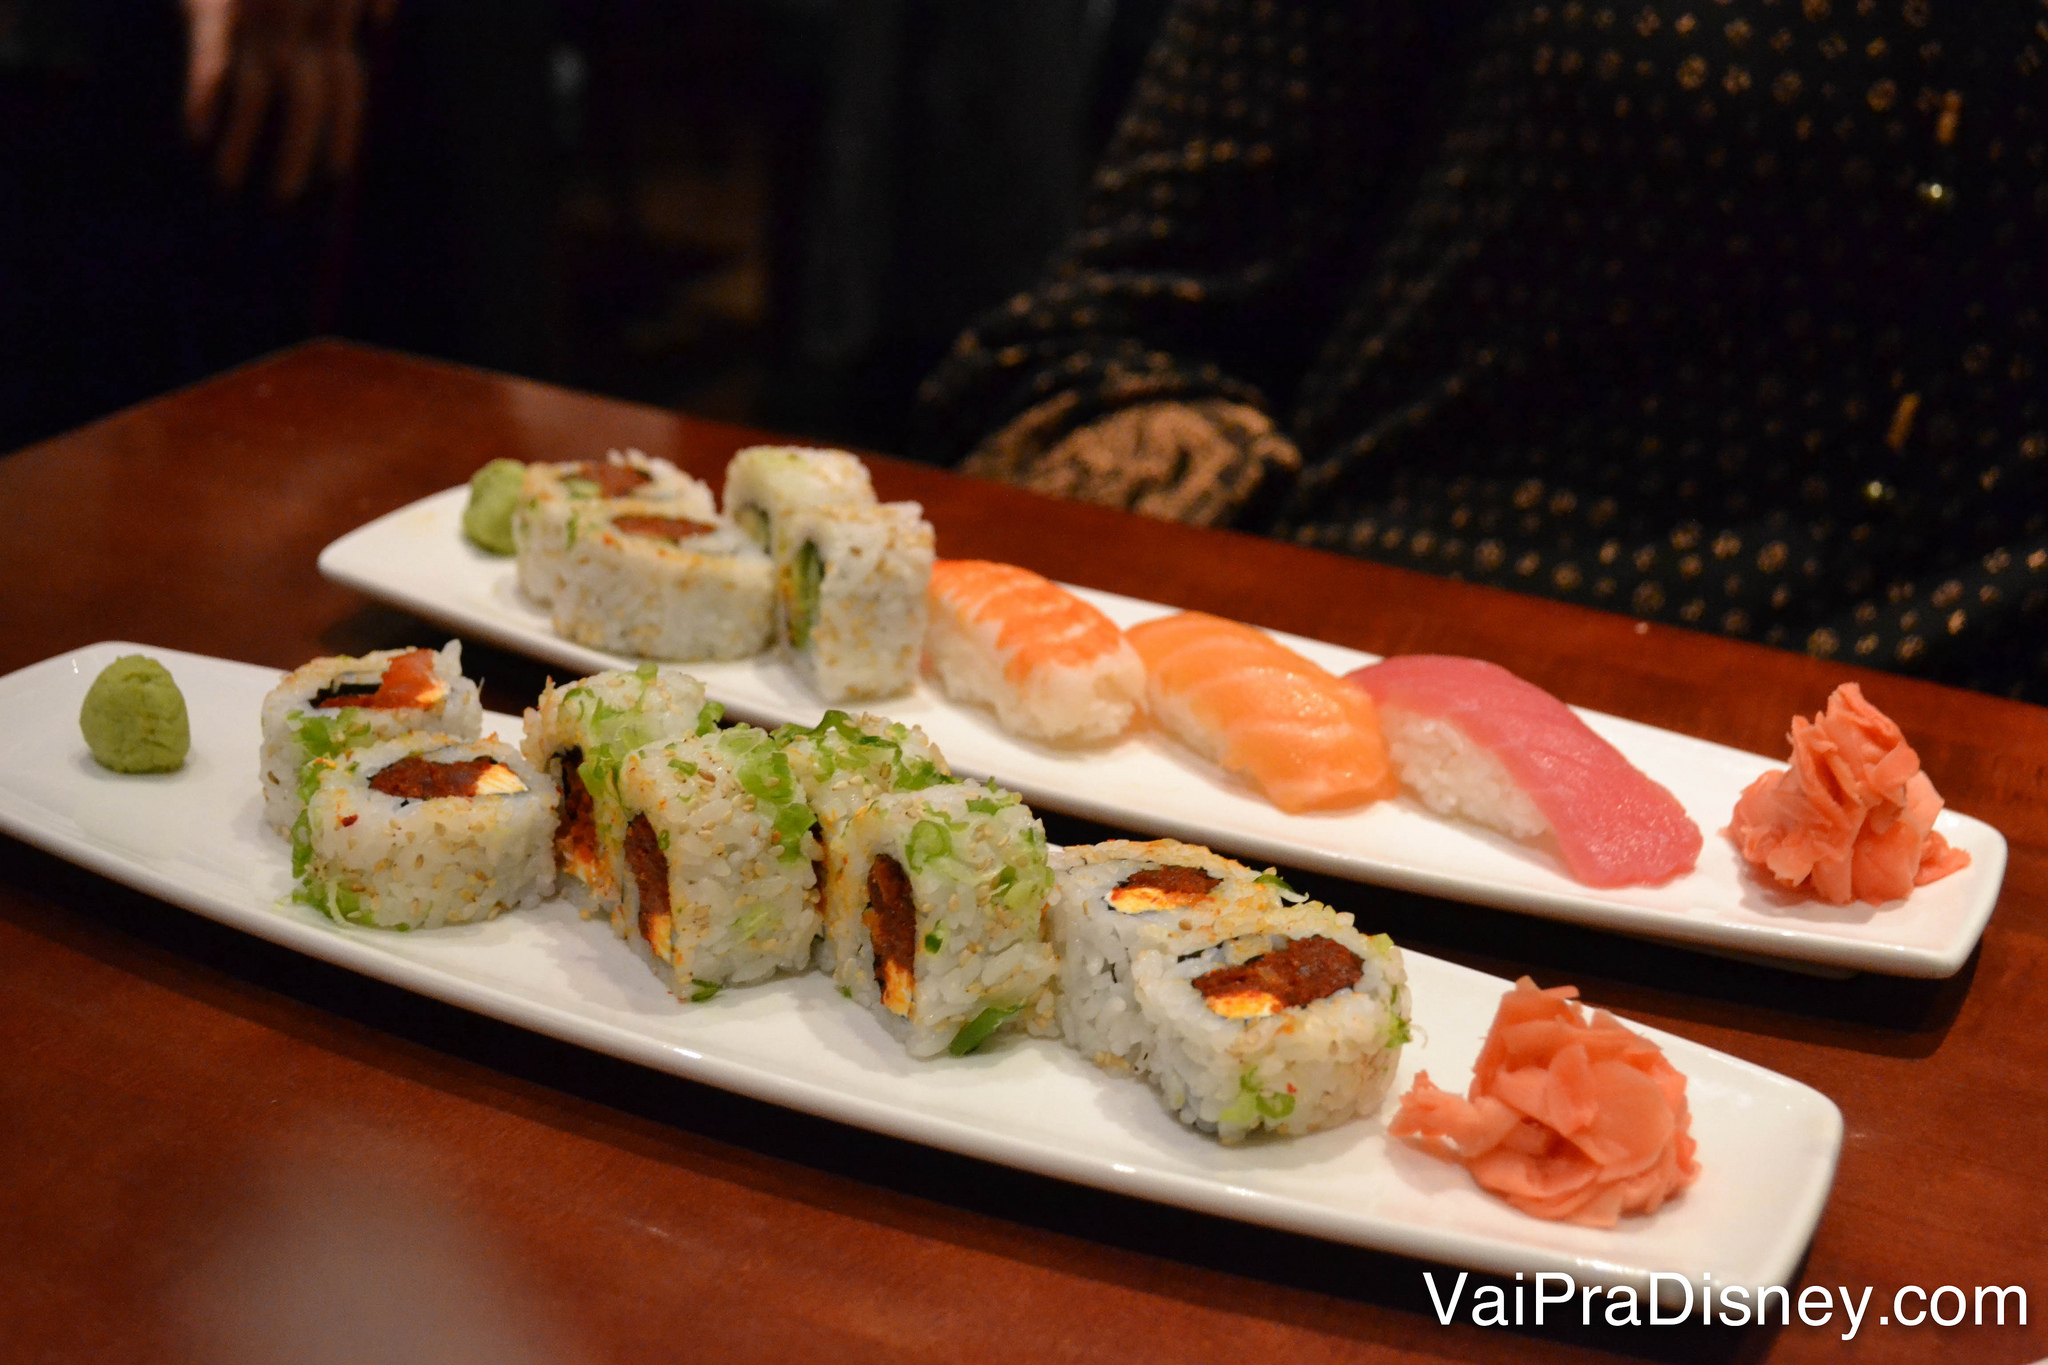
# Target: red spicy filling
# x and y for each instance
(670, 529)
(407, 679)
(1305, 970)
(891, 920)
(612, 480)
(414, 778)
(576, 829)
(649, 866)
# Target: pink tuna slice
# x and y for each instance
(1614, 826)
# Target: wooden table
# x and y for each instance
(209, 1145)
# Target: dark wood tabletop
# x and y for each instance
(212, 1148)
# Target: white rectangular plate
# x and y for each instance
(1767, 1145)
(417, 557)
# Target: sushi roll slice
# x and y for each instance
(555, 501)
(1232, 693)
(643, 581)
(1475, 742)
(1121, 897)
(720, 886)
(334, 704)
(578, 735)
(949, 944)
(1052, 667)
(423, 831)
(843, 763)
(850, 596)
(764, 484)
(1290, 1028)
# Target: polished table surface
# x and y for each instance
(213, 1149)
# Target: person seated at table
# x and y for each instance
(1723, 313)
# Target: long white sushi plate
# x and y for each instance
(417, 557)
(196, 838)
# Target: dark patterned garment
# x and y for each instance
(1724, 313)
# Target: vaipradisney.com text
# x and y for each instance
(1672, 1300)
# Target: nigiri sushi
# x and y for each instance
(1853, 817)
(1476, 742)
(1052, 667)
(1303, 736)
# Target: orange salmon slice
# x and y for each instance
(1300, 734)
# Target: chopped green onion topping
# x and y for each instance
(929, 841)
(705, 990)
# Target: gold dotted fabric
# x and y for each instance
(1725, 313)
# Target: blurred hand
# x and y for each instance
(297, 55)
(1191, 462)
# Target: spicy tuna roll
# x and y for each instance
(850, 596)
(1114, 899)
(423, 831)
(641, 581)
(556, 502)
(1291, 1028)
(719, 886)
(579, 734)
(946, 942)
(843, 763)
(334, 704)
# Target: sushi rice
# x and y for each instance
(296, 728)
(389, 861)
(966, 866)
(720, 885)
(579, 734)
(555, 501)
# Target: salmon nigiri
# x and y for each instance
(1240, 698)
(1052, 667)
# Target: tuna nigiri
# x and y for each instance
(1052, 667)
(1235, 695)
(1853, 817)
(1474, 741)
(1566, 1118)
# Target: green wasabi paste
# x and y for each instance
(134, 717)
(493, 492)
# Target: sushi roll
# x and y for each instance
(578, 735)
(1117, 898)
(556, 500)
(1289, 1028)
(850, 596)
(425, 830)
(843, 763)
(1475, 742)
(764, 484)
(1052, 667)
(331, 705)
(1232, 693)
(948, 946)
(720, 886)
(643, 581)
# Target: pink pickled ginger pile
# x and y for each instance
(1853, 817)
(1566, 1118)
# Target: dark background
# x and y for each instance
(772, 211)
